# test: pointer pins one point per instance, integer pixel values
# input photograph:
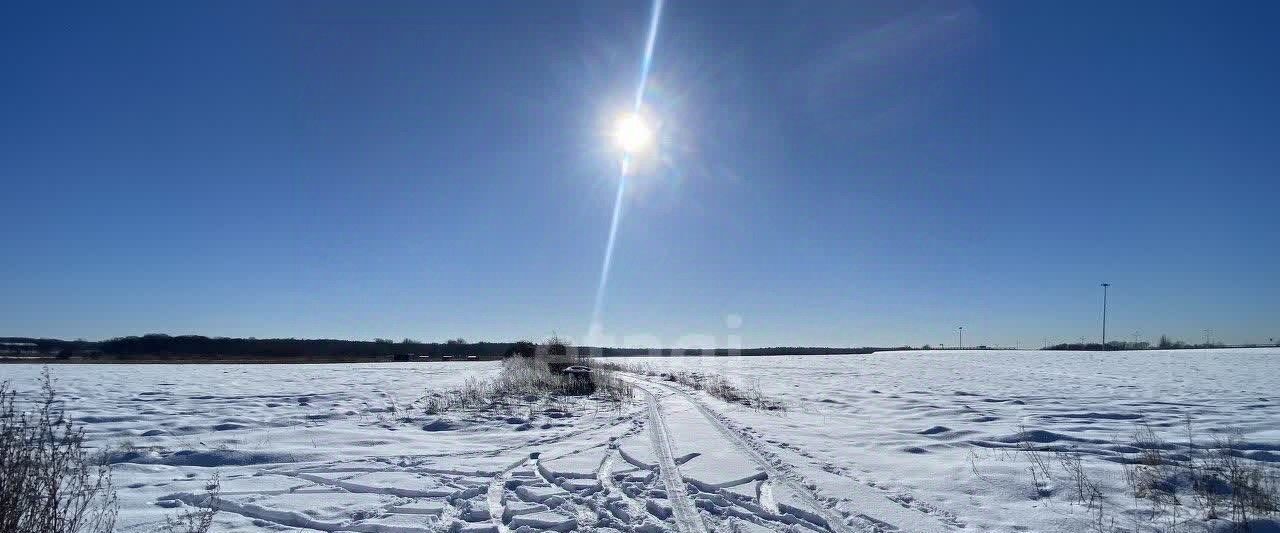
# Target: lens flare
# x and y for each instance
(639, 136)
(632, 133)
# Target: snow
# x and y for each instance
(939, 433)
(912, 441)
(545, 520)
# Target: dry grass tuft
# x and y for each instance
(198, 520)
(714, 384)
(48, 480)
(1174, 487)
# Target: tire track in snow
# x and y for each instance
(682, 510)
(495, 492)
(360, 488)
(605, 476)
(292, 519)
(833, 520)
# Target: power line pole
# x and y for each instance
(1104, 315)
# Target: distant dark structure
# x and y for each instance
(18, 348)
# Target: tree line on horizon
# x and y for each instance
(163, 346)
(173, 346)
(1165, 343)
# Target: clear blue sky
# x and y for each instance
(835, 173)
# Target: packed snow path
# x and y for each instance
(733, 458)
(686, 517)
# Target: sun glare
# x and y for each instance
(632, 133)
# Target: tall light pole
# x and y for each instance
(961, 330)
(1104, 315)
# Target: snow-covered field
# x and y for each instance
(907, 441)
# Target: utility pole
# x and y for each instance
(961, 329)
(1104, 315)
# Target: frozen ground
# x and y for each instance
(906, 441)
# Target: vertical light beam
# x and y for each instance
(648, 52)
(596, 327)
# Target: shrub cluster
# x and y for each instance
(716, 385)
(535, 374)
(48, 480)
(1177, 485)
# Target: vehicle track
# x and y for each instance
(833, 520)
(635, 511)
(496, 491)
(685, 515)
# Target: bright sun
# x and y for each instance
(632, 133)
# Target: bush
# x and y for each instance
(1180, 484)
(558, 349)
(714, 384)
(199, 520)
(721, 387)
(48, 482)
(523, 378)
